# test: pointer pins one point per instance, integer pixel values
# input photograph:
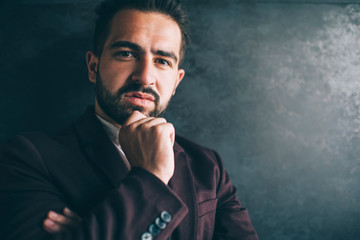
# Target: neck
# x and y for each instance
(101, 113)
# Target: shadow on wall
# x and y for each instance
(43, 78)
(276, 92)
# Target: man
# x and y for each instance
(119, 167)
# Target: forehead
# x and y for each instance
(147, 29)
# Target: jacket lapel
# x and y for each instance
(183, 184)
(99, 149)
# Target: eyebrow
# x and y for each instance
(126, 44)
(135, 47)
(166, 54)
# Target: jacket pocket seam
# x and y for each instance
(209, 205)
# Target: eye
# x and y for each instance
(124, 54)
(163, 62)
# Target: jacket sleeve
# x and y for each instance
(232, 221)
(27, 193)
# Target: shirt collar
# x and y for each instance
(111, 130)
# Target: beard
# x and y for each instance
(117, 108)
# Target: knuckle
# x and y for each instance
(60, 219)
(143, 126)
(162, 120)
(158, 129)
(130, 128)
(170, 127)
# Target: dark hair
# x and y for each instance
(107, 10)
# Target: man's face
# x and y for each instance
(138, 67)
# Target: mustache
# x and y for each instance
(138, 88)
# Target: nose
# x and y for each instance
(144, 72)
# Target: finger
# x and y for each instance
(133, 126)
(137, 123)
(52, 227)
(170, 130)
(61, 219)
(71, 214)
(135, 116)
(153, 122)
(172, 136)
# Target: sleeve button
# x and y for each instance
(166, 216)
(154, 230)
(160, 223)
(146, 236)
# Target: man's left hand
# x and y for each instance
(56, 222)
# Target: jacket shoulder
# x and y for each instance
(199, 155)
(189, 145)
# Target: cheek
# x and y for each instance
(165, 86)
(114, 77)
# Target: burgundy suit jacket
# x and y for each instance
(80, 168)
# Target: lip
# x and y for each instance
(140, 99)
(144, 96)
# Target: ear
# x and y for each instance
(180, 76)
(92, 65)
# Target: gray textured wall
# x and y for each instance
(272, 85)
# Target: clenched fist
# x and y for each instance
(148, 143)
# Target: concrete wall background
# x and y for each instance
(273, 86)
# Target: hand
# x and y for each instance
(148, 143)
(56, 222)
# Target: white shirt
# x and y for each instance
(113, 132)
